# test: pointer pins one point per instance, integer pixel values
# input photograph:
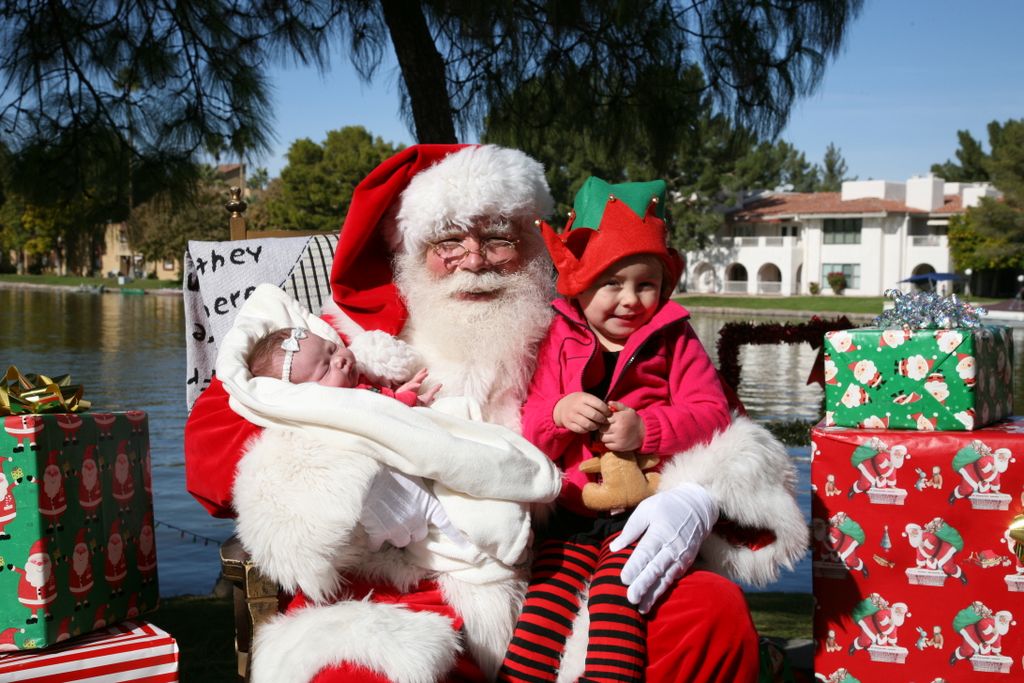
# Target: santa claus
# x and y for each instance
(476, 320)
(53, 501)
(90, 495)
(145, 551)
(80, 581)
(8, 506)
(115, 567)
(37, 588)
(123, 484)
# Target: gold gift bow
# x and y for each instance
(1016, 532)
(39, 394)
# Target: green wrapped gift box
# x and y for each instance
(77, 549)
(925, 379)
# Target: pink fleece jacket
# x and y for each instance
(663, 373)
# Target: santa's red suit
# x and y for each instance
(935, 553)
(145, 558)
(845, 547)
(878, 471)
(123, 483)
(33, 596)
(90, 495)
(53, 500)
(699, 631)
(115, 567)
(80, 580)
(8, 507)
(980, 638)
(876, 629)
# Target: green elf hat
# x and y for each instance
(608, 223)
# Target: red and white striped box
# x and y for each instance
(128, 652)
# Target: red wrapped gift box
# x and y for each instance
(130, 651)
(915, 572)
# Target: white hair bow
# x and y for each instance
(291, 347)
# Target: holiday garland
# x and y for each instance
(734, 335)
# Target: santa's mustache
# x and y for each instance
(467, 282)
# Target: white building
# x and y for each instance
(876, 232)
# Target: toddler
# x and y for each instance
(621, 370)
(296, 355)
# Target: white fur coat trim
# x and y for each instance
(406, 646)
(752, 477)
(298, 506)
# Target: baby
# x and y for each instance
(296, 355)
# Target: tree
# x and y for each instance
(833, 170)
(972, 158)
(316, 185)
(190, 76)
(991, 235)
(161, 227)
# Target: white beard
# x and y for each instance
(80, 560)
(37, 575)
(485, 350)
(89, 474)
(51, 482)
(115, 549)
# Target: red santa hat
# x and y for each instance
(115, 527)
(80, 537)
(51, 460)
(38, 548)
(410, 199)
(147, 519)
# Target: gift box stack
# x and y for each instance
(918, 501)
(77, 549)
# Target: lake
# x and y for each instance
(128, 352)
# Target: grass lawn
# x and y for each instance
(76, 280)
(204, 629)
(866, 305)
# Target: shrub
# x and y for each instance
(837, 281)
(814, 288)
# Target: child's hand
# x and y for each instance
(580, 412)
(415, 383)
(625, 430)
(428, 396)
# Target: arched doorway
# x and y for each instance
(769, 279)
(736, 279)
(703, 279)
(924, 269)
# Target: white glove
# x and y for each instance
(671, 526)
(398, 509)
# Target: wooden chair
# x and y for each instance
(256, 598)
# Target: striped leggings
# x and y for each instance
(562, 569)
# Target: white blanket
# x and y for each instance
(484, 474)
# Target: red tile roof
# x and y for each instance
(789, 204)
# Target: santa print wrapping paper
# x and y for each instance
(77, 549)
(915, 575)
(130, 651)
(931, 379)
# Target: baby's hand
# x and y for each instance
(414, 384)
(428, 396)
(625, 430)
(580, 412)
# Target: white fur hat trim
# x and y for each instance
(476, 181)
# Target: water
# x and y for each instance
(128, 352)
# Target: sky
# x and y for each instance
(911, 74)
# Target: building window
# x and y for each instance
(850, 270)
(842, 230)
(122, 236)
(169, 264)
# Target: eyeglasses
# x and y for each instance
(496, 252)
